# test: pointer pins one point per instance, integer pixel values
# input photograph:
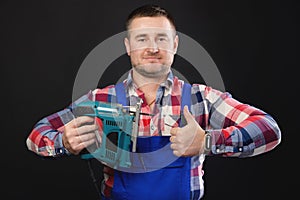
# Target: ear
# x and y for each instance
(176, 41)
(127, 45)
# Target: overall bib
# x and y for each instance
(167, 177)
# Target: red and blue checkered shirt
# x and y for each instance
(237, 129)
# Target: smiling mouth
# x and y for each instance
(152, 60)
(151, 57)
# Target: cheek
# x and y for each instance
(169, 58)
(134, 57)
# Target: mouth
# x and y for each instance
(152, 59)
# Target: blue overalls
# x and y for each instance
(170, 182)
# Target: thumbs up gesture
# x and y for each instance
(187, 140)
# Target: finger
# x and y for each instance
(88, 143)
(173, 131)
(86, 137)
(79, 121)
(187, 115)
(173, 146)
(172, 139)
(176, 153)
(86, 129)
(79, 147)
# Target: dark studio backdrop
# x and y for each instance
(43, 44)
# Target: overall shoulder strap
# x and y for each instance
(121, 94)
(185, 100)
(186, 96)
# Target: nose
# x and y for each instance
(152, 47)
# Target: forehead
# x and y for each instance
(150, 22)
(148, 25)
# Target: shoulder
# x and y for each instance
(103, 94)
(106, 89)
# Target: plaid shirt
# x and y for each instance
(237, 129)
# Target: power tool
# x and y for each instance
(120, 125)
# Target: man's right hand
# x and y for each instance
(79, 134)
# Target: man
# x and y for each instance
(216, 124)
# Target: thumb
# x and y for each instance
(187, 115)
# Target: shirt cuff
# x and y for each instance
(59, 148)
(61, 152)
(219, 145)
(218, 142)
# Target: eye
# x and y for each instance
(141, 40)
(162, 39)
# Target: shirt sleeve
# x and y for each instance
(237, 129)
(45, 139)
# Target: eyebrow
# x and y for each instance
(162, 34)
(140, 35)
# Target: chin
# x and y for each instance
(152, 70)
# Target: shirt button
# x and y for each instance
(152, 127)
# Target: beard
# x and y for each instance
(152, 70)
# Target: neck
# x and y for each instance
(149, 83)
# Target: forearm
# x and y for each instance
(46, 137)
(244, 130)
(254, 136)
(239, 129)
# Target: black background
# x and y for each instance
(43, 43)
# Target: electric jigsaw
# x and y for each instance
(120, 126)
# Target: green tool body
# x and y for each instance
(119, 132)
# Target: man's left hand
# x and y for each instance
(188, 140)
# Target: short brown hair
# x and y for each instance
(149, 11)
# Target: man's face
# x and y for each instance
(151, 45)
